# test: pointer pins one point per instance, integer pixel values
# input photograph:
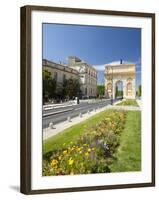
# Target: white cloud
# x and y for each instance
(99, 67)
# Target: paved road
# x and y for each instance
(60, 114)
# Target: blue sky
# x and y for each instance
(96, 45)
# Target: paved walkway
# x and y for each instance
(125, 107)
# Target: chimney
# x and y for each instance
(121, 61)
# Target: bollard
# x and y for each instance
(51, 125)
(80, 115)
(94, 109)
(88, 112)
(69, 119)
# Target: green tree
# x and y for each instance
(59, 92)
(49, 85)
(139, 90)
(100, 90)
(71, 88)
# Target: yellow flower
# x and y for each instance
(65, 152)
(89, 150)
(72, 148)
(54, 162)
(84, 144)
(79, 149)
(92, 149)
(80, 152)
(70, 161)
(86, 154)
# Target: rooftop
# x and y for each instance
(119, 62)
(75, 61)
(52, 64)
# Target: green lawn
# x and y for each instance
(71, 134)
(128, 102)
(129, 151)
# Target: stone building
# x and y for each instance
(87, 76)
(60, 72)
(123, 73)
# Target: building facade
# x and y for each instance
(87, 76)
(60, 72)
(120, 72)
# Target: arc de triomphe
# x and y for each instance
(120, 72)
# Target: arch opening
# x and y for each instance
(119, 90)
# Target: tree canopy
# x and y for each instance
(71, 88)
(52, 90)
(49, 85)
(100, 90)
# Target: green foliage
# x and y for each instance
(51, 90)
(139, 90)
(100, 90)
(49, 85)
(71, 88)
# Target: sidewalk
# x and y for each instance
(125, 107)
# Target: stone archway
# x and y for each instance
(124, 72)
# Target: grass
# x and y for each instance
(129, 151)
(72, 133)
(129, 102)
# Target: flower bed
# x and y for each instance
(93, 152)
